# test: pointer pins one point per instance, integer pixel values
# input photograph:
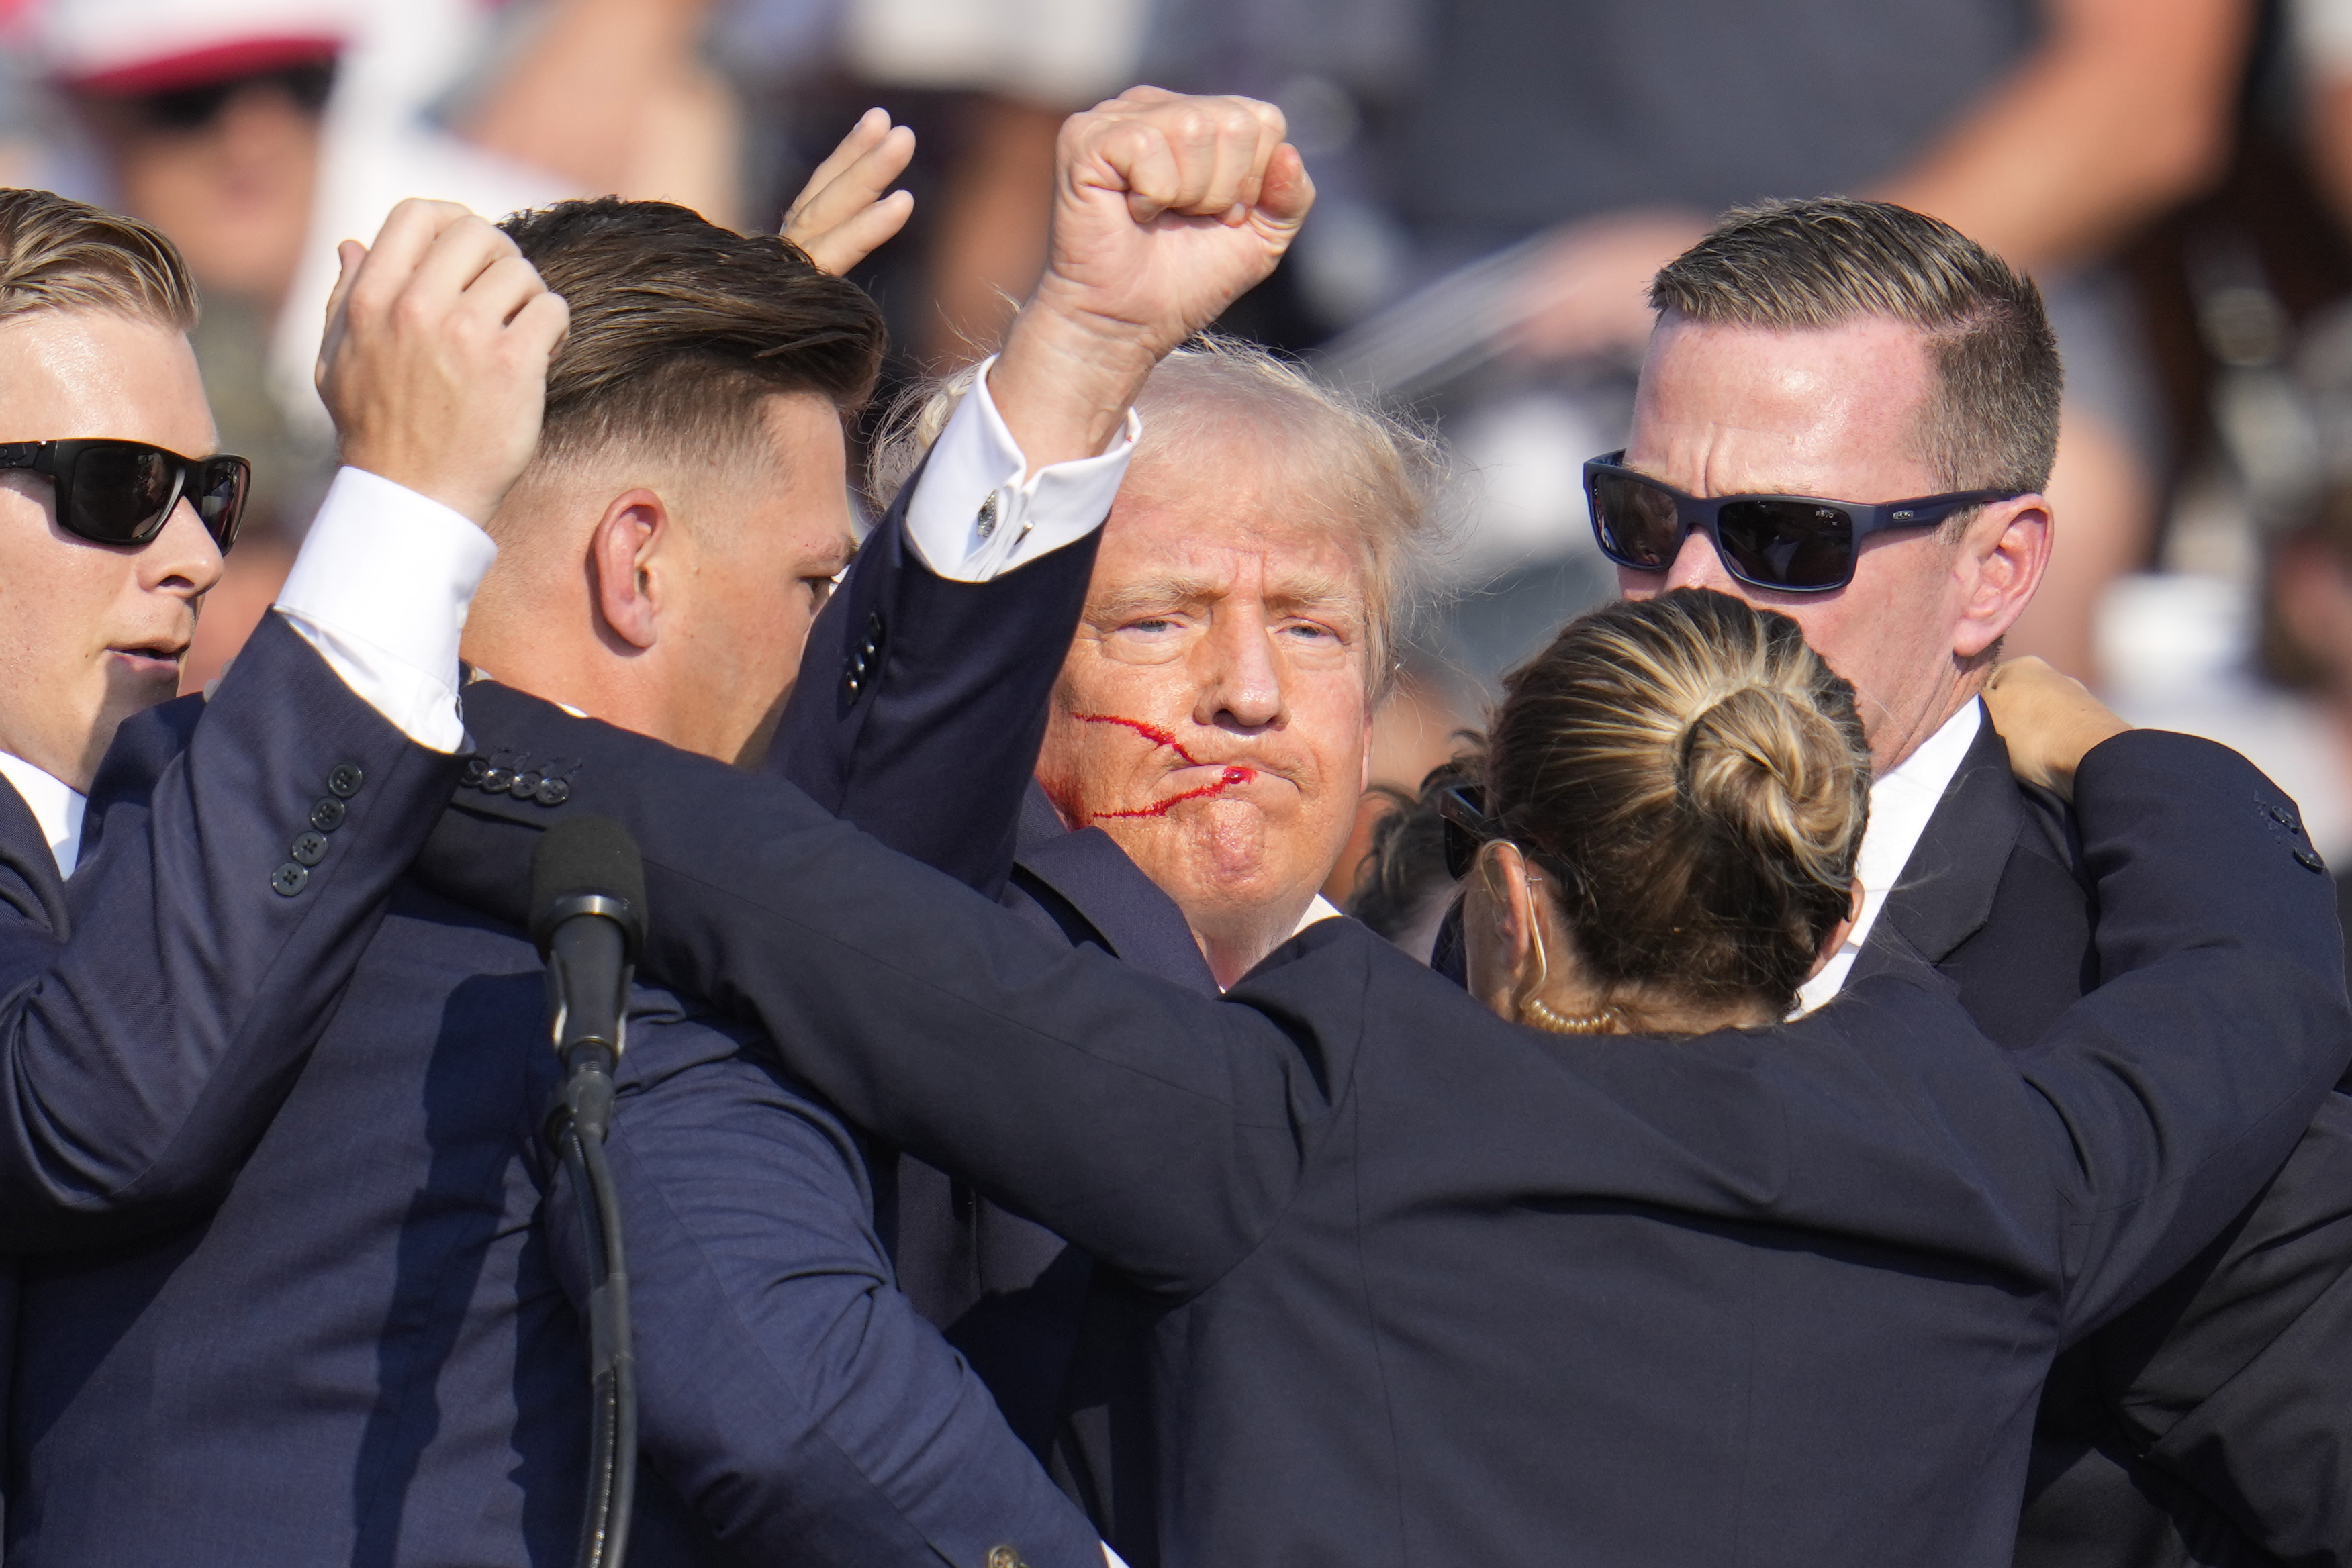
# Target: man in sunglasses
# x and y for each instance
(182, 886)
(1848, 414)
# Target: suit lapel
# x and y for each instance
(29, 883)
(1944, 895)
(1089, 874)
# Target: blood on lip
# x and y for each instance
(1232, 776)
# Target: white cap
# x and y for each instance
(154, 46)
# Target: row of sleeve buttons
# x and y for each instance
(327, 814)
(865, 660)
(547, 781)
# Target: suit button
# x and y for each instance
(475, 767)
(2308, 861)
(525, 786)
(497, 780)
(553, 792)
(327, 813)
(345, 781)
(309, 849)
(290, 878)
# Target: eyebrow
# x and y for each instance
(1302, 591)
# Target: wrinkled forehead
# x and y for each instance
(68, 374)
(1199, 545)
(1837, 412)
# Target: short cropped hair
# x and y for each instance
(680, 329)
(58, 254)
(1993, 422)
(1379, 471)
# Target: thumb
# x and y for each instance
(352, 254)
(1287, 194)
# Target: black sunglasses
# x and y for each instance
(121, 492)
(1461, 812)
(193, 108)
(1786, 544)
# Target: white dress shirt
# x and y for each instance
(973, 515)
(381, 588)
(1900, 804)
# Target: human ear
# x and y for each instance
(1836, 938)
(1498, 928)
(2002, 558)
(621, 552)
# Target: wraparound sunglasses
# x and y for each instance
(121, 492)
(1785, 544)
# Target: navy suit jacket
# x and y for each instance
(2213, 1424)
(1435, 1288)
(372, 1351)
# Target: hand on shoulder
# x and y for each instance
(2050, 721)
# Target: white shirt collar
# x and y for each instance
(56, 805)
(1901, 801)
(1322, 909)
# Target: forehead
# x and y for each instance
(79, 373)
(1231, 513)
(1833, 412)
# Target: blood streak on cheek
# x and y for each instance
(1231, 776)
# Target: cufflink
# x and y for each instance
(986, 522)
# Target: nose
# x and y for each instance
(1698, 565)
(182, 558)
(1240, 684)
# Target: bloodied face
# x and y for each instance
(1214, 712)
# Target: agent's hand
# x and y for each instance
(1166, 210)
(1585, 293)
(2050, 722)
(435, 362)
(847, 210)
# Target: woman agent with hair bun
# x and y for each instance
(1609, 1262)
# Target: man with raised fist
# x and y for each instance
(389, 1301)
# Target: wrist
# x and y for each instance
(1065, 381)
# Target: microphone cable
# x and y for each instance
(588, 918)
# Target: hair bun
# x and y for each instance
(1767, 764)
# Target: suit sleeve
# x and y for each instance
(233, 885)
(2184, 1081)
(789, 1390)
(922, 700)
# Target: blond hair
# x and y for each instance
(1697, 780)
(1380, 473)
(56, 253)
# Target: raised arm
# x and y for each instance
(235, 862)
(922, 695)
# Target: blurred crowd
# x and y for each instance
(1498, 180)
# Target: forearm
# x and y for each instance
(2122, 111)
(2221, 1024)
(786, 1388)
(151, 1049)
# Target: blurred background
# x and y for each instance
(1498, 179)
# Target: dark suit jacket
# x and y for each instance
(1440, 1289)
(153, 1011)
(371, 1351)
(2213, 1424)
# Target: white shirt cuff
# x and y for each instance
(381, 590)
(972, 516)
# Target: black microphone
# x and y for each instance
(588, 903)
(588, 916)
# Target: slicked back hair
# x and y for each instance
(681, 329)
(58, 254)
(1992, 421)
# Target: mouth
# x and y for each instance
(1229, 778)
(152, 658)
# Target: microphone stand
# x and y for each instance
(589, 947)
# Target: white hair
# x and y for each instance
(1378, 472)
